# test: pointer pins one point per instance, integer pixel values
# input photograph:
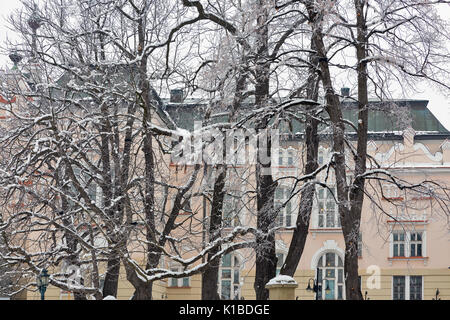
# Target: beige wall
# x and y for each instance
(413, 161)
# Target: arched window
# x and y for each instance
(229, 277)
(331, 276)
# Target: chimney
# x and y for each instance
(34, 22)
(176, 95)
(15, 58)
(345, 92)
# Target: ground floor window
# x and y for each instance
(415, 288)
(407, 287)
(331, 276)
(229, 277)
(178, 282)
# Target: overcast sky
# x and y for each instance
(438, 103)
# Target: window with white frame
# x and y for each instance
(328, 216)
(360, 245)
(320, 157)
(286, 157)
(398, 288)
(178, 282)
(283, 206)
(280, 157)
(408, 243)
(87, 183)
(229, 277)
(415, 244)
(407, 287)
(415, 287)
(391, 191)
(290, 158)
(231, 209)
(65, 295)
(331, 276)
(323, 155)
(399, 244)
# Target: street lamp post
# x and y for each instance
(317, 287)
(42, 282)
(437, 295)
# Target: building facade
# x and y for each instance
(404, 241)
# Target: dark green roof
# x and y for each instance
(384, 117)
(123, 77)
(396, 115)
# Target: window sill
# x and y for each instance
(392, 198)
(315, 231)
(424, 259)
(285, 229)
(405, 258)
(284, 167)
(407, 221)
(229, 229)
(326, 230)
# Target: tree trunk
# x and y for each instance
(351, 225)
(307, 194)
(112, 277)
(210, 275)
(306, 203)
(266, 260)
(143, 292)
(350, 219)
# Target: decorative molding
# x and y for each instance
(408, 136)
(445, 145)
(383, 157)
(436, 157)
(322, 148)
(327, 230)
(371, 145)
(315, 231)
(328, 246)
(399, 147)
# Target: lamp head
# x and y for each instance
(42, 278)
(34, 21)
